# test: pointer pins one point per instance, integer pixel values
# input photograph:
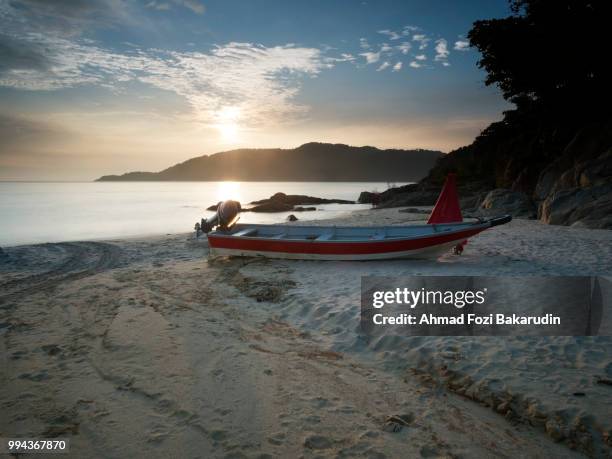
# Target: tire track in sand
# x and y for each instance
(82, 259)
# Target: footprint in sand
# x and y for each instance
(36, 377)
(312, 419)
(277, 438)
(317, 442)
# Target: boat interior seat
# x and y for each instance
(325, 236)
(246, 232)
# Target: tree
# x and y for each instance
(551, 55)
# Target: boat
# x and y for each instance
(345, 242)
(445, 229)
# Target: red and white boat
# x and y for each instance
(445, 230)
(344, 242)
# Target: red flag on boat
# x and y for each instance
(447, 208)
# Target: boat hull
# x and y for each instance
(429, 246)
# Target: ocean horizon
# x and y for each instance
(44, 211)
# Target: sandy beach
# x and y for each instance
(145, 348)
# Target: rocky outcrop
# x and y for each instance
(580, 195)
(503, 201)
(367, 197)
(281, 202)
(589, 207)
(527, 165)
(299, 199)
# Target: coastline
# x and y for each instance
(249, 357)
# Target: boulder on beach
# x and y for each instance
(503, 201)
(292, 218)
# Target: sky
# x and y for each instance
(96, 87)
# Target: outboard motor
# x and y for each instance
(225, 217)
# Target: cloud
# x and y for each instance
(415, 65)
(383, 66)
(363, 43)
(344, 57)
(404, 47)
(391, 34)
(397, 67)
(371, 58)
(410, 29)
(442, 51)
(64, 17)
(259, 82)
(422, 40)
(14, 54)
(158, 6)
(194, 5)
(420, 57)
(462, 45)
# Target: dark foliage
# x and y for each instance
(550, 54)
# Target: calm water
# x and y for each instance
(52, 212)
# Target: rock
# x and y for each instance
(281, 202)
(411, 198)
(292, 218)
(366, 197)
(317, 442)
(592, 207)
(298, 199)
(271, 206)
(502, 201)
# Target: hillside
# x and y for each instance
(309, 162)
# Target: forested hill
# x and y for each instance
(309, 162)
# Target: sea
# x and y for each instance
(38, 212)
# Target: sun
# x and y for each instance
(228, 123)
(228, 190)
(229, 132)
